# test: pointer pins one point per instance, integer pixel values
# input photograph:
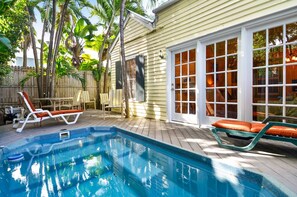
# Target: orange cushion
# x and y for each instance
(255, 128)
(29, 101)
(233, 124)
(44, 114)
(275, 130)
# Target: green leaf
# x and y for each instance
(5, 42)
(79, 26)
(29, 75)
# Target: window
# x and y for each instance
(131, 69)
(135, 70)
(221, 79)
(275, 71)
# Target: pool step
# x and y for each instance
(58, 163)
(64, 178)
(106, 185)
(43, 150)
(144, 175)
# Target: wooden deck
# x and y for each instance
(277, 160)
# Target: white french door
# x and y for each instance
(183, 87)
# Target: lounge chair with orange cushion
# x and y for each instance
(268, 129)
(38, 115)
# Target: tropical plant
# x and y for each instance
(75, 40)
(32, 19)
(125, 75)
(12, 19)
(108, 12)
(55, 22)
(88, 63)
(58, 35)
(29, 75)
(5, 48)
(5, 45)
(64, 68)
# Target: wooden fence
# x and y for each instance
(65, 86)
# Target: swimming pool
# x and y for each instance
(108, 161)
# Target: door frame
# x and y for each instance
(170, 75)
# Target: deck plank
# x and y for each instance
(271, 158)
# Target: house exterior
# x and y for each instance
(18, 60)
(200, 61)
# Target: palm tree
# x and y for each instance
(108, 11)
(54, 21)
(57, 43)
(50, 49)
(124, 69)
(44, 29)
(25, 45)
(125, 75)
(33, 42)
(65, 10)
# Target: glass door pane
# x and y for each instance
(184, 85)
(221, 79)
(275, 71)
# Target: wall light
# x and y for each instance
(161, 54)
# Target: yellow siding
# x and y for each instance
(134, 30)
(183, 21)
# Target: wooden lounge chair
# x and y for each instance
(73, 103)
(38, 115)
(85, 99)
(114, 100)
(268, 129)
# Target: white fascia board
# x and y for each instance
(165, 5)
(148, 23)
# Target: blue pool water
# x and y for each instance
(108, 161)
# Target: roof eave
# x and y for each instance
(165, 5)
(148, 23)
(141, 19)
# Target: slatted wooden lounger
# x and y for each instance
(268, 129)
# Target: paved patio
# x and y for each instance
(274, 159)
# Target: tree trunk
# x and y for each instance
(25, 47)
(106, 71)
(57, 43)
(41, 50)
(100, 54)
(124, 69)
(33, 41)
(50, 51)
